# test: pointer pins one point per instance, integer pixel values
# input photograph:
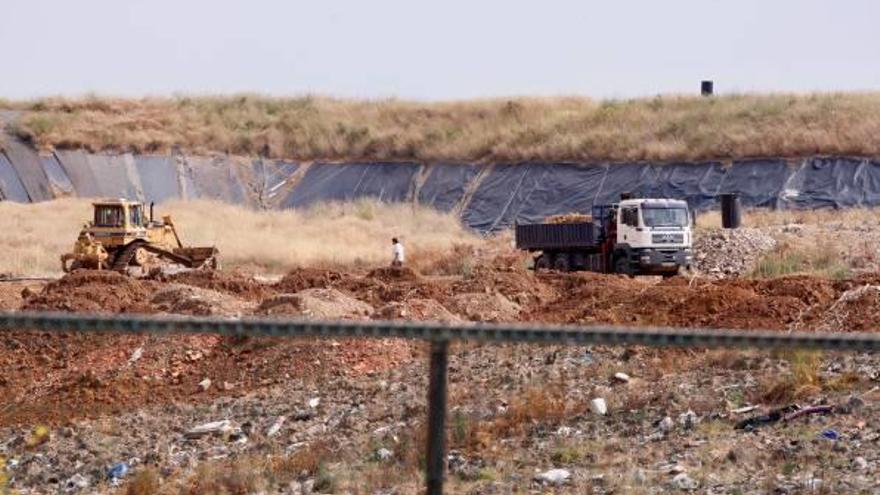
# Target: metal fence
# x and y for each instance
(439, 335)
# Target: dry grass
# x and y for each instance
(819, 258)
(562, 128)
(545, 407)
(353, 234)
(774, 218)
(803, 379)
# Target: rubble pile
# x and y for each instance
(725, 253)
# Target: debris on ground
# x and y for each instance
(555, 477)
(724, 253)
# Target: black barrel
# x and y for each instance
(706, 88)
(731, 211)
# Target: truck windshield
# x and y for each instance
(665, 217)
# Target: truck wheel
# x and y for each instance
(561, 263)
(622, 267)
(542, 263)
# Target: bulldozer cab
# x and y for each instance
(119, 214)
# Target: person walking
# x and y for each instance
(396, 253)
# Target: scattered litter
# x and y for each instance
(38, 436)
(205, 384)
(384, 454)
(830, 435)
(688, 419)
(117, 471)
(223, 426)
(276, 426)
(684, 482)
(622, 377)
(554, 476)
(765, 419)
(313, 403)
(598, 406)
(860, 463)
(743, 410)
(77, 482)
(666, 424)
(807, 410)
(136, 355)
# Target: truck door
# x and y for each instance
(627, 223)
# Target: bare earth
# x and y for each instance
(353, 411)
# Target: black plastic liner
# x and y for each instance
(488, 197)
(391, 182)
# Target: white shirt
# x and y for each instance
(397, 252)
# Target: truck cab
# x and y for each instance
(652, 236)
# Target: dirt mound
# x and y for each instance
(237, 284)
(391, 274)
(485, 307)
(856, 310)
(188, 300)
(94, 291)
(308, 278)
(317, 304)
(416, 310)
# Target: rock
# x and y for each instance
(76, 483)
(221, 427)
(688, 420)
(554, 477)
(598, 406)
(205, 384)
(622, 377)
(384, 454)
(666, 424)
(684, 482)
(860, 464)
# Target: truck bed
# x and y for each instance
(544, 236)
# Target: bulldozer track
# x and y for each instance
(123, 259)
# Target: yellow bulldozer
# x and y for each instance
(120, 237)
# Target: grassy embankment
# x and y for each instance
(561, 128)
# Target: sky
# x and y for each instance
(439, 50)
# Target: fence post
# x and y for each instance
(437, 417)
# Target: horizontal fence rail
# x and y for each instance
(439, 335)
(538, 334)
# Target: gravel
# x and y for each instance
(727, 253)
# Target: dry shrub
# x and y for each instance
(820, 258)
(238, 477)
(562, 128)
(460, 260)
(144, 482)
(330, 234)
(803, 379)
(304, 462)
(546, 406)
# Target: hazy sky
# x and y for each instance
(435, 50)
